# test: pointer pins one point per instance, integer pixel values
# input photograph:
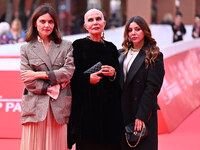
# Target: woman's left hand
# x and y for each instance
(108, 70)
(28, 75)
(139, 124)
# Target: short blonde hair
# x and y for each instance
(93, 9)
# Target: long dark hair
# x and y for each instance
(32, 32)
(150, 48)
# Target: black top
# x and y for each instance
(178, 32)
(193, 29)
(96, 112)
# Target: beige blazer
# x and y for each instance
(35, 103)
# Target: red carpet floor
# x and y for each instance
(185, 137)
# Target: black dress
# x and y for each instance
(96, 111)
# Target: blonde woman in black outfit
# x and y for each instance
(95, 122)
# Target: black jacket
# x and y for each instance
(178, 32)
(96, 110)
(139, 96)
(193, 29)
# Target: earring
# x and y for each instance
(102, 36)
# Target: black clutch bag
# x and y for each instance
(94, 68)
(133, 137)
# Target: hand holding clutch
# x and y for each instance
(94, 68)
(133, 137)
(95, 73)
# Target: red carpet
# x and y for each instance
(185, 137)
(9, 144)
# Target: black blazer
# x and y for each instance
(139, 95)
(193, 29)
(182, 30)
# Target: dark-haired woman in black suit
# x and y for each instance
(142, 72)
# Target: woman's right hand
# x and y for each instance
(28, 75)
(139, 124)
(94, 78)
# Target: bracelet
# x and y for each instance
(113, 77)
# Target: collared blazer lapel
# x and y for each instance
(38, 49)
(54, 51)
(121, 62)
(48, 59)
(139, 60)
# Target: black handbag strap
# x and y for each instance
(136, 142)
